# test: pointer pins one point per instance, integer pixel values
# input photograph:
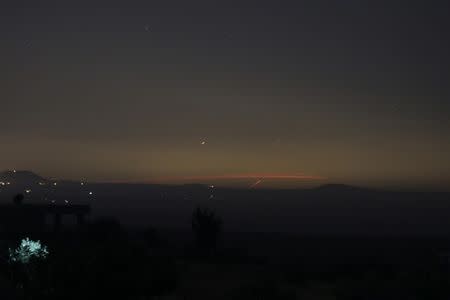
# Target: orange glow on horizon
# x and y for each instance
(207, 178)
(243, 176)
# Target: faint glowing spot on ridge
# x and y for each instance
(256, 183)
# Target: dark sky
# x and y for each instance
(353, 91)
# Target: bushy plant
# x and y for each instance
(27, 251)
(207, 227)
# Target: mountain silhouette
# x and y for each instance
(21, 177)
(327, 209)
(341, 188)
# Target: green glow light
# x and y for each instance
(27, 250)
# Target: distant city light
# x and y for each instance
(27, 191)
(82, 183)
(54, 183)
(91, 193)
(2, 183)
(14, 171)
(66, 201)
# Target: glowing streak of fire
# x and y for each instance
(256, 184)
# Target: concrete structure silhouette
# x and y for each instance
(34, 218)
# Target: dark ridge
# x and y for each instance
(339, 188)
(21, 176)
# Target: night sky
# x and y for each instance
(349, 91)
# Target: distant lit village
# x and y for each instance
(37, 189)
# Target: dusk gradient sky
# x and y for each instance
(352, 91)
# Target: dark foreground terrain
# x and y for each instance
(330, 242)
(102, 260)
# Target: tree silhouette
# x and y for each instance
(207, 227)
(18, 199)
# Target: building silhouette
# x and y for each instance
(34, 218)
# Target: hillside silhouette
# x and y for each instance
(328, 209)
(21, 177)
(205, 258)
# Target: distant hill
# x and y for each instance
(341, 188)
(328, 209)
(21, 177)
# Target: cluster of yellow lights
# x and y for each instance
(28, 191)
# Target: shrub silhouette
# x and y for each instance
(207, 227)
(115, 267)
(261, 291)
(152, 238)
(18, 199)
(105, 229)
